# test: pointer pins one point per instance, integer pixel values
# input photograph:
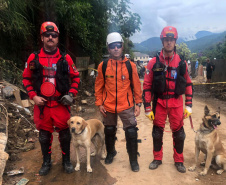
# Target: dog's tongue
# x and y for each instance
(214, 127)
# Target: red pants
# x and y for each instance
(176, 122)
(52, 117)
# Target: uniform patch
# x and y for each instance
(74, 68)
(147, 71)
(54, 66)
(174, 73)
(26, 65)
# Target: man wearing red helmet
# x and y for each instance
(165, 81)
(51, 80)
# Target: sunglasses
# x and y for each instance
(113, 45)
(46, 34)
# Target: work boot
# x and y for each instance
(154, 164)
(180, 167)
(45, 139)
(46, 165)
(110, 156)
(68, 167)
(110, 132)
(132, 147)
(65, 141)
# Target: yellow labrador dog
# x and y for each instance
(207, 140)
(83, 134)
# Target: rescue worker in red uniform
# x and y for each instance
(117, 88)
(46, 78)
(165, 81)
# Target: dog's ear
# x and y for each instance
(206, 110)
(84, 124)
(68, 122)
(218, 110)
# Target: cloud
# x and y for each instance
(188, 17)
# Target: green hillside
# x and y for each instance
(154, 43)
(205, 42)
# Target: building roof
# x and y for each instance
(139, 54)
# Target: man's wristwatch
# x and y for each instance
(139, 104)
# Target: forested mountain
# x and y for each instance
(204, 40)
(201, 34)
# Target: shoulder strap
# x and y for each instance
(182, 57)
(157, 56)
(129, 68)
(63, 54)
(36, 54)
(104, 66)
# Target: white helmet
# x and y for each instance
(127, 56)
(113, 37)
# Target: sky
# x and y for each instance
(188, 16)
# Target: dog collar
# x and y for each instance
(82, 131)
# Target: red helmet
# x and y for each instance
(169, 31)
(48, 26)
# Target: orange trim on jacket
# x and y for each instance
(115, 93)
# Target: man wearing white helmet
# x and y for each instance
(117, 88)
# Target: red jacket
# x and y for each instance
(50, 60)
(170, 84)
(115, 93)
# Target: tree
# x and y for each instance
(83, 25)
(121, 19)
(182, 49)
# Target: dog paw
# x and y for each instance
(77, 168)
(219, 172)
(192, 168)
(89, 169)
(202, 173)
(103, 156)
(93, 154)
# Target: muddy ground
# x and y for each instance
(24, 148)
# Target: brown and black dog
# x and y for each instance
(84, 133)
(208, 141)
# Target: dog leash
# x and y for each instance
(192, 124)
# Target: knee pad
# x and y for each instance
(131, 132)
(179, 135)
(157, 133)
(45, 136)
(110, 130)
(65, 135)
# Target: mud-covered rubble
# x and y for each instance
(211, 90)
(21, 130)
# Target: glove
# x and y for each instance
(66, 100)
(149, 113)
(187, 112)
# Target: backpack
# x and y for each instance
(128, 66)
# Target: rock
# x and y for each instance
(13, 157)
(84, 102)
(8, 92)
(27, 147)
(88, 93)
(21, 134)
